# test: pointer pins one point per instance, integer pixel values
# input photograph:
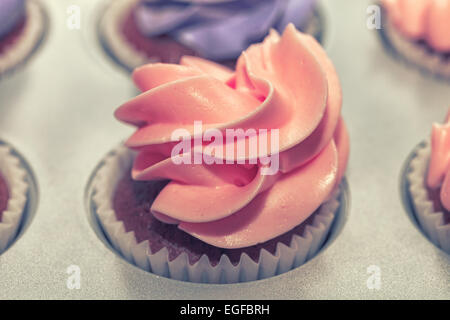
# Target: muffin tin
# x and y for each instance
(58, 112)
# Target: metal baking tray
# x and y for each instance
(57, 112)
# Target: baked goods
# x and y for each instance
(429, 186)
(287, 91)
(22, 27)
(139, 32)
(419, 31)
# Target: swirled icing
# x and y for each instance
(219, 30)
(11, 11)
(439, 167)
(427, 20)
(286, 83)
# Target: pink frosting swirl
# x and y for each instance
(286, 83)
(439, 167)
(427, 20)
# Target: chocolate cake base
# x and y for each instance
(132, 202)
(4, 196)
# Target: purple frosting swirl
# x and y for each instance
(218, 29)
(11, 12)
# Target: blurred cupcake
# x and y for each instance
(225, 214)
(13, 196)
(22, 26)
(429, 185)
(419, 30)
(142, 31)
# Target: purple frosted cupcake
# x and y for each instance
(22, 27)
(138, 32)
(12, 16)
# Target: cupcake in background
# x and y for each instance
(429, 185)
(228, 221)
(22, 26)
(419, 31)
(143, 31)
(12, 16)
(13, 196)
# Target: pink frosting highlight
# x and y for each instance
(439, 167)
(287, 83)
(427, 20)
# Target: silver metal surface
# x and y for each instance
(57, 111)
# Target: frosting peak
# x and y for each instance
(427, 20)
(285, 86)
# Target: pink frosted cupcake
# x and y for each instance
(204, 214)
(419, 30)
(430, 185)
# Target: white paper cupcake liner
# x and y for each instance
(27, 41)
(416, 53)
(131, 57)
(14, 176)
(432, 222)
(301, 249)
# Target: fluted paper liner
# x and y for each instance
(14, 176)
(432, 222)
(23, 46)
(301, 249)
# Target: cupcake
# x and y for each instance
(232, 175)
(22, 27)
(13, 196)
(143, 31)
(429, 185)
(419, 31)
